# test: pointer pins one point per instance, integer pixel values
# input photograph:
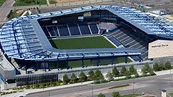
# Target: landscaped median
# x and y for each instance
(171, 94)
(2, 2)
(117, 94)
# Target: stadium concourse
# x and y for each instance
(25, 40)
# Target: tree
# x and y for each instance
(127, 73)
(99, 75)
(36, 85)
(116, 94)
(156, 67)
(123, 70)
(28, 86)
(43, 85)
(73, 78)
(132, 70)
(97, 72)
(115, 71)
(168, 65)
(91, 75)
(150, 70)
(136, 75)
(82, 76)
(162, 67)
(101, 95)
(146, 68)
(109, 76)
(65, 79)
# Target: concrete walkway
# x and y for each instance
(164, 72)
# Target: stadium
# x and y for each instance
(87, 34)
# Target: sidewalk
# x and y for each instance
(164, 72)
(25, 92)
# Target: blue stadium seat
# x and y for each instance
(94, 28)
(63, 30)
(74, 30)
(84, 29)
(51, 31)
(116, 42)
(135, 58)
(45, 31)
(55, 30)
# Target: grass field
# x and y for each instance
(87, 63)
(83, 43)
(1, 2)
(29, 2)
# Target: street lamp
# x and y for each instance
(92, 89)
(133, 86)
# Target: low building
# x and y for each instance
(160, 48)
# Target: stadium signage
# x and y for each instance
(161, 45)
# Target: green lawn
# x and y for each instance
(1, 2)
(81, 43)
(131, 95)
(52, 1)
(171, 94)
(29, 2)
(119, 86)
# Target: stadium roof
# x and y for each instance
(23, 37)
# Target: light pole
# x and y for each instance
(133, 87)
(49, 93)
(92, 89)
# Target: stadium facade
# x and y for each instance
(25, 40)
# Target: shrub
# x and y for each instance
(116, 94)
(92, 75)
(146, 69)
(162, 67)
(109, 76)
(123, 70)
(99, 75)
(73, 78)
(156, 67)
(65, 79)
(101, 95)
(168, 65)
(136, 75)
(132, 70)
(115, 71)
(82, 76)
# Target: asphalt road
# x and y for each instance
(149, 85)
